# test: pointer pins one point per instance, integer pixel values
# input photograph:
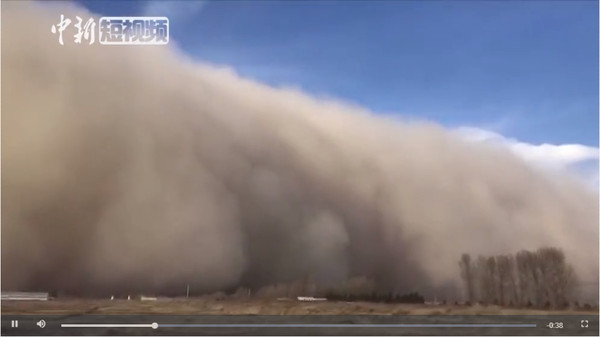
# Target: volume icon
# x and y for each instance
(41, 323)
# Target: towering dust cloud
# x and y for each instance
(131, 168)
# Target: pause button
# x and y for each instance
(14, 324)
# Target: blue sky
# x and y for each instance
(527, 71)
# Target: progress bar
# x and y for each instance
(348, 325)
(156, 325)
(151, 325)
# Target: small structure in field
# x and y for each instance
(311, 299)
(24, 296)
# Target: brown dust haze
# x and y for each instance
(137, 169)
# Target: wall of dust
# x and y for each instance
(137, 169)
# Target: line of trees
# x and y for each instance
(382, 297)
(353, 289)
(541, 278)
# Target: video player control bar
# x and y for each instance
(156, 325)
(295, 325)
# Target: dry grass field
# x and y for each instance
(216, 306)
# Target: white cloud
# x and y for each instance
(177, 10)
(577, 159)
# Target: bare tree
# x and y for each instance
(486, 275)
(492, 269)
(504, 270)
(467, 273)
(558, 277)
(535, 271)
(524, 277)
(481, 280)
(513, 285)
